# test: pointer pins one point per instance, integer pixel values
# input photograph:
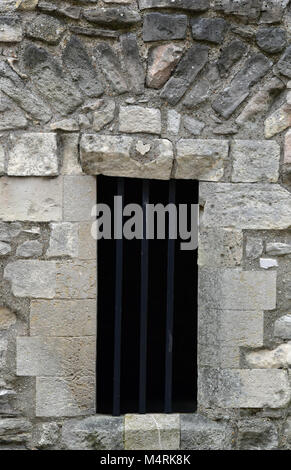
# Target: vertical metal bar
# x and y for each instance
(170, 311)
(144, 302)
(118, 313)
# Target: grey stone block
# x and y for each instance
(30, 249)
(284, 64)
(200, 433)
(62, 318)
(34, 199)
(271, 40)
(63, 240)
(33, 154)
(111, 68)
(278, 249)
(10, 29)
(135, 119)
(76, 280)
(230, 55)
(45, 28)
(132, 63)
(161, 62)
(254, 247)
(14, 430)
(152, 432)
(282, 327)
(191, 5)
(121, 17)
(256, 434)
(36, 279)
(209, 29)
(220, 247)
(163, 27)
(79, 198)
(94, 433)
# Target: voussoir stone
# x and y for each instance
(114, 155)
(29, 278)
(248, 206)
(45, 28)
(209, 29)
(161, 62)
(271, 40)
(191, 5)
(33, 154)
(188, 68)
(110, 65)
(114, 17)
(255, 160)
(132, 63)
(134, 119)
(161, 27)
(201, 159)
(10, 29)
(230, 54)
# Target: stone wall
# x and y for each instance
(188, 89)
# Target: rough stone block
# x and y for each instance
(244, 388)
(209, 29)
(44, 356)
(282, 327)
(36, 279)
(161, 27)
(255, 434)
(76, 280)
(278, 121)
(134, 119)
(200, 433)
(29, 249)
(193, 125)
(173, 122)
(5, 248)
(287, 147)
(234, 289)
(7, 318)
(33, 154)
(45, 28)
(63, 240)
(111, 68)
(10, 29)
(34, 199)
(116, 156)
(230, 54)
(63, 318)
(278, 358)
(191, 5)
(271, 40)
(284, 64)
(14, 430)
(152, 432)
(220, 247)
(247, 206)
(121, 17)
(79, 197)
(254, 247)
(201, 159)
(70, 154)
(132, 63)
(59, 396)
(161, 62)
(255, 160)
(87, 243)
(103, 114)
(94, 433)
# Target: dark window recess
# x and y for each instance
(147, 310)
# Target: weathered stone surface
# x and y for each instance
(95, 32)
(68, 125)
(11, 117)
(110, 65)
(118, 1)
(161, 62)
(233, 289)
(31, 199)
(246, 10)
(14, 430)
(5, 248)
(7, 318)
(67, 11)
(230, 55)
(29, 249)
(65, 396)
(187, 70)
(209, 29)
(111, 156)
(222, 333)
(9, 231)
(63, 240)
(70, 154)
(277, 358)
(8, 5)
(94, 433)
(45, 28)
(33, 154)
(29, 278)
(248, 206)
(134, 119)
(54, 356)
(63, 318)
(192, 125)
(87, 243)
(191, 5)
(121, 17)
(220, 247)
(50, 81)
(254, 247)
(200, 433)
(201, 159)
(271, 40)
(282, 327)
(254, 434)
(198, 93)
(22, 94)
(104, 114)
(173, 122)
(47, 435)
(255, 160)
(76, 280)
(225, 129)
(287, 147)
(284, 64)
(278, 121)
(132, 63)
(78, 62)
(79, 197)
(278, 249)
(162, 27)
(272, 11)
(234, 388)
(27, 5)
(253, 70)
(2, 160)
(10, 29)
(152, 432)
